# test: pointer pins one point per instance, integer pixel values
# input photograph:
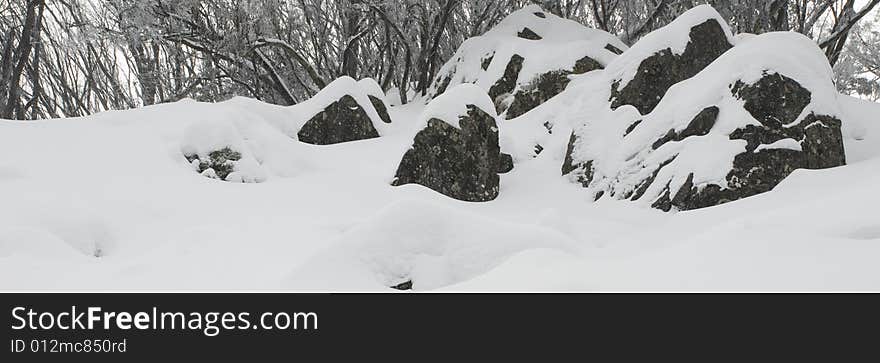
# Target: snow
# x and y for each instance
(787, 143)
(342, 86)
(124, 192)
(861, 129)
(109, 202)
(451, 105)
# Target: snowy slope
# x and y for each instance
(109, 202)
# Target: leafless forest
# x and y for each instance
(64, 58)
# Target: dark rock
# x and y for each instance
(663, 69)
(460, 163)
(643, 187)
(699, 126)
(443, 83)
(582, 170)
(632, 127)
(341, 121)
(527, 33)
(613, 49)
(379, 105)
(485, 62)
(568, 165)
(505, 165)
(406, 285)
(586, 64)
(757, 171)
(545, 86)
(507, 83)
(536, 92)
(221, 161)
(540, 15)
(774, 100)
(538, 149)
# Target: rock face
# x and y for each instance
(219, 163)
(341, 121)
(381, 108)
(773, 149)
(660, 71)
(529, 34)
(524, 59)
(462, 163)
(739, 120)
(507, 82)
(545, 86)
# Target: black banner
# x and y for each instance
(123, 327)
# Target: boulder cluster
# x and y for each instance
(782, 134)
(686, 118)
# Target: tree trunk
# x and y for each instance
(30, 32)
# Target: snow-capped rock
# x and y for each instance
(456, 152)
(667, 56)
(735, 129)
(343, 111)
(526, 59)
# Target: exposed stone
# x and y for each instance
(699, 126)
(541, 15)
(536, 92)
(663, 69)
(443, 82)
(568, 164)
(632, 127)
(545, 86)
(613, 49)
(757, 171)
(460, 163)
(585, 64)
(507, 83)
(381, 109)
(343, 120)
(774, 100)
(406, 285)
(505, 165)
(221, 162)
(527, 33)
(485, 62)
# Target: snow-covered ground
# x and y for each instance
(109, 202)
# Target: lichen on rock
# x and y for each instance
(343, 120)
(462, 163)
(664, 68)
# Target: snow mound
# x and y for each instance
(861, 128)
(110, 201)
(422, 242)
